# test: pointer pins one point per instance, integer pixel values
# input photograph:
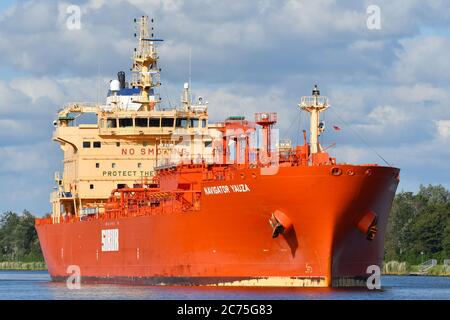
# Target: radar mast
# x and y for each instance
(315, 104)
(146, 73)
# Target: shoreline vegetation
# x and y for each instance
(417, 238)
(418, 231)
(18, 266)
(395, 268)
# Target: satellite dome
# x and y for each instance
(114, 86)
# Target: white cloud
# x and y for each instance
(19, 159)
(420, 92)
(388, 115)
(390, 85)
(364, 45)
(36, 88)
(350, 154)
(231, 101)
(60, 90)
(443, 128)
(423, 58)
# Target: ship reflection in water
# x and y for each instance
(32, 285)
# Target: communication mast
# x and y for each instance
(146, 73)
(315, 104)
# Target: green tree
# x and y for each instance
(419, 223)
(18, 238)
(446, 243)
(434, 194)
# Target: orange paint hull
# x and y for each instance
(228, 241)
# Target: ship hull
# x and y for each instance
(228, 240)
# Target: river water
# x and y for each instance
(36, 285)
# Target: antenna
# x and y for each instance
(190, 69)
(98, 83)
(168, 97)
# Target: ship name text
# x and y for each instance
(226, 189)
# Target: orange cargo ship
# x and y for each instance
(250, 212)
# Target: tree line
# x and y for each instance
(419, 226)
(18, 238)
(418, 223)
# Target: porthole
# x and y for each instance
(336, 171)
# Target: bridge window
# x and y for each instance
(141, 122)
(86, 118)
(86, 144)
(111, 123)
(155, 122)
(203, 123)
(194, 123)
(97, 144)
(182, 123)
(167, 122)
(125, 122)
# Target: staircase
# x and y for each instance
(425, 267)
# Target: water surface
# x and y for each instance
(36, 285)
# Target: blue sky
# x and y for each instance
(5, 4)
(390, 85)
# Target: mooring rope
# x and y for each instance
(360, 137)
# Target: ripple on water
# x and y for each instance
(32, 285)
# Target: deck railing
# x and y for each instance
(155, 204)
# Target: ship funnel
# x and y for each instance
(121, 78)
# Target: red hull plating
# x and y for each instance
(228, 240)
